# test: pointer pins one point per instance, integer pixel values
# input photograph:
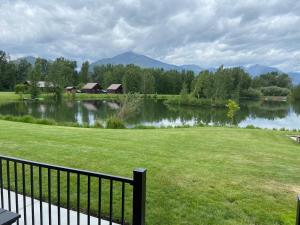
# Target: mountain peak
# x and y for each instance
(131, 57)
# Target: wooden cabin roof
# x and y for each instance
(114, 86)
(89, 86)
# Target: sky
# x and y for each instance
(203, 32)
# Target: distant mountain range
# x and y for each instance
(147, 62)
(142, 61)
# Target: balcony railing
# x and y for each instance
(70, 193)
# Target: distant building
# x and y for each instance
(91, 88)
(42, 85)
(115, 88)
(71, 89)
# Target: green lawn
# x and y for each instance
(195, 175)
(8, 96)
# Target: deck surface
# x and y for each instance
(45, 212)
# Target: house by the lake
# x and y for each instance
(42, 85)
(70, 89)
(91, 88)
(115, 88)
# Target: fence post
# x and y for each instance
(298, 211)
(139, 196)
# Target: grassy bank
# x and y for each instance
(9, 96)
(191, 101)
(81, 96)
(195, 176)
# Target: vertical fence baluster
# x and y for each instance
(8, 184)
(32, 194)
(58, 197)
(298, 211)
(139, 197)
(24, 193)
(1, 183)
(99, 201)
(49, 195)
(111, 202)
(123, 204)
(78, 199)
(16, 189)
(89, 201)
(68, 198)
(41, 195)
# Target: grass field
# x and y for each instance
(195, 175)
(9, 96)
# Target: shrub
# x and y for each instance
(46, 121)
(275, 91)
(98, 124)
(140, 126)
(27, 119)
(251, 127)
(251, 93)
(192, 101)
(115, 123)
(296, 92)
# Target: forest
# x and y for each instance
(224, 83)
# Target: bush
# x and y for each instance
(251, 127)
(115, 123)
(251, 93)
(27, 119)
(296, 92)
(275, 91)
(140, 126)
(192, 101)
(98, 124)
(46, 121)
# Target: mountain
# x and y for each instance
(136, 59)
(295, 76)
(147, 62)
(256, 70)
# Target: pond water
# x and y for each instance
(156, 113)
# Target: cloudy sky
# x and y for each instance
(203, 32)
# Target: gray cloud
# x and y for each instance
(203, 32)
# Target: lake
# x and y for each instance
(156, 113)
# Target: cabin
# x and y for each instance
(115, 88)
(91, 88)
(70, 89)
(42, 85)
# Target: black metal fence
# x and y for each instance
(113, 198)
(298, 211)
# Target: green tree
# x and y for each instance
(8, 73)
(23, 69)
(34, 77)
(84, 72)
(61, 75)
(147, 83)
(233, 107)
(132, 80)
(184, 94)
(20, 89)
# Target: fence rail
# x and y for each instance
(50, 183)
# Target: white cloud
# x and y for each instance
(204, 32)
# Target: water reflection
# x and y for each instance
(156, 113)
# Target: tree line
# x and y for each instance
(224, 83)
